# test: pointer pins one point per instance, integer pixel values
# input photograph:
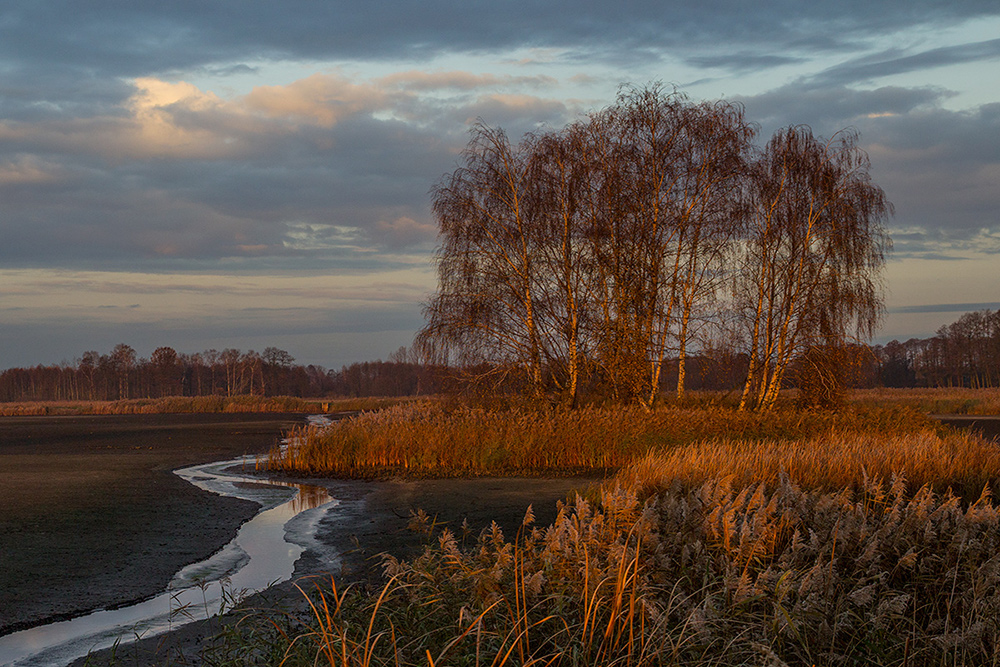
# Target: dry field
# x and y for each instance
(195, 404)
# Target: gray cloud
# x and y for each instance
(131, 39)
(744, 61)
(937, 165)
(108, 162)
(947, 308)
(828, 109)
(893, 62)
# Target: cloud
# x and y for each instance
(828, 109)
(744, 61)
(25, 170)
(458, 80)
(131, 138)
(321, 99)
(135, 39)
(404, 231)
(888, 63)
(943, 170)
(940, 167)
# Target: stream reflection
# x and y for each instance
(262, 554)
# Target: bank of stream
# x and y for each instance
(262, 554)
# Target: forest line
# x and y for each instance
(964, 353)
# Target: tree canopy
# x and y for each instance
(587, 258)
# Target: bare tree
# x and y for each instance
(485, 308)
(601, 250)
(123, 360)
(812, 254)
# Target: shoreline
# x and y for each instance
(371, 518)
(95, 517)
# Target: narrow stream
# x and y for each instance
(262, 554)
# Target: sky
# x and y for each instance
(241, 174)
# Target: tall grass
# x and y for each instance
(961, 462)
(940, 400)
(430, 439)
(703, 574)
(866, 537)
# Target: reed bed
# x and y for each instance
(865, 537)
(703, 574)
(938, 401)
(962, 462)
(431, 439)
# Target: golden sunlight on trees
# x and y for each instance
(810, 259)
(586, 259)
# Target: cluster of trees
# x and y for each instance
(122, 374)
(965, 353)
(402, 375)
(591, 258)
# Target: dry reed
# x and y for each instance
(937, 400)
(705, 574)
(962, 462)
(429, 439)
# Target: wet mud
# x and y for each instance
(93, 516)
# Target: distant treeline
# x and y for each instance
(965, 353)
(122, 374)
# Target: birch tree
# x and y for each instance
(484, 309)
(812, 254)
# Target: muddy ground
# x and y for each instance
(371, 519)
(91, 515)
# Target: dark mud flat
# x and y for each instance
(91, 515)
(371, 519)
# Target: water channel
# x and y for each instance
(262, 554)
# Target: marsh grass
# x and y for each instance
(196, 404)
(961, 462)
(703, 574)
(940, 400)
(431, 439)
(865, 537)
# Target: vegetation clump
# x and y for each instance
(430, 438)
(711, 573)
(864, 536)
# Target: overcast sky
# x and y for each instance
(223, 173)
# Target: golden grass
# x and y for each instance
(941, 400)
(962, 462)
(430, 439)
(865, 537)
(712, 574)
(196, 404)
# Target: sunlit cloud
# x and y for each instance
(25, 170)
(320, 99)
(427, 81)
